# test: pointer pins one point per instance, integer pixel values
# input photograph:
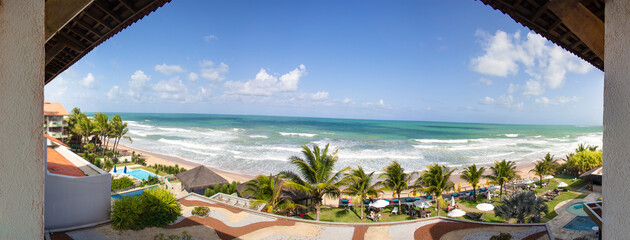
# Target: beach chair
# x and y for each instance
(396, 201)
(408, 200)
(395, 211)
(344, 201)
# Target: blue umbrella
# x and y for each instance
(114, 168)
(125, 170)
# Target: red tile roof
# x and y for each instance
(55, 140)
(58, 164)
(54, 109)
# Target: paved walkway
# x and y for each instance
(231, 222)
(557, 224)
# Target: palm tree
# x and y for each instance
(317, 177)
(83, 127)
(540, 169)
(502, 173)
(525, 206)
(552, 163)
(473, 175)
(360, 184)
(119, 130)
(101, 127)
(395, 179)
(436, 180)
(268, 190)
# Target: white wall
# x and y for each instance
(76, 201)
(21, 105)
(616, 177)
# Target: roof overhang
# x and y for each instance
(594, 210)
(575, 25)
(75, 27)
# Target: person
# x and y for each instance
(371, 216)
(378, 217)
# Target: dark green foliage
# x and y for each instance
(121, 183)
(228, 189)
(169, 169)
(525, 206)
(201, 211)
(501, 236)
(151, 180)
(154, 208)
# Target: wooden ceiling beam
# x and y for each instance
(58, 13)
(582, 22)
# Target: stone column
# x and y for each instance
(21, 118)
(616, 177)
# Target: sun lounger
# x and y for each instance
(344, 201)
(395, 211)
(408, 200)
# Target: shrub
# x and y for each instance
(501, 236)
(208, 192)
(201, 211)
(583, 161)
(154, 208)
(121, 183)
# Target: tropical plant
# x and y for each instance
(316, 175)
(83, 127)
(525, 206)
(119, 131)
(107, 165)
(551, 162)
(435, 180)
(73, 118)
(361, 185)
(540, 169)
(121, 183)
(267, 190)
(502, 173)
(584, 161)
(473, 176)
(161, 207)
(101, 127)
(395, 179)
(201, 211)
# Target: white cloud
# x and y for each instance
(533, 88)
(193, 76)
(173, 89)
(265, 84)
(169, 69)
(319, 95)
(137, 84)
(380, 105)
(556, 101)
(487, 100)
(504, 53)
(87, 80)
(485, 81)
(210, 37)
(512, 88)
(347, 101)
(213, 73)
(114, 93)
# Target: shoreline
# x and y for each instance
(522, 167)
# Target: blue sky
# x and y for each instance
(457, 61)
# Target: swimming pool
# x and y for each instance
(140, 174)
(577, 209)
(132, 193)
(581, 223)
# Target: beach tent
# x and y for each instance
(200, 178)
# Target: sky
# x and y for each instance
(454, 61)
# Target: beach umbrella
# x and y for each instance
(484, 207)
(562, 184)
(456, 213)
(422, 204)
(114, 168)
(125, 170)
(547, 177)
(381, 203)
(528, 181)
(489, 196)
(452, 201)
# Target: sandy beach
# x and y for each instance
(523, 167)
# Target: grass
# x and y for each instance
(352, 215)
(562, 197)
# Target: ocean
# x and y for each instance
(262, 144)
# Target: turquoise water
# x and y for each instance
(140, 174)
(581, 223)
(129, 194)
(262, 144)
(577, 209)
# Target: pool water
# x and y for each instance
(577, 209)
(581, 223)
(129, 194)
(140, 174)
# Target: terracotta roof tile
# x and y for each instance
(60, 165)
(54, 109)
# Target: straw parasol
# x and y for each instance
(456, 213)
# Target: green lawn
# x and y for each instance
(341, 215)
(563, 197)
